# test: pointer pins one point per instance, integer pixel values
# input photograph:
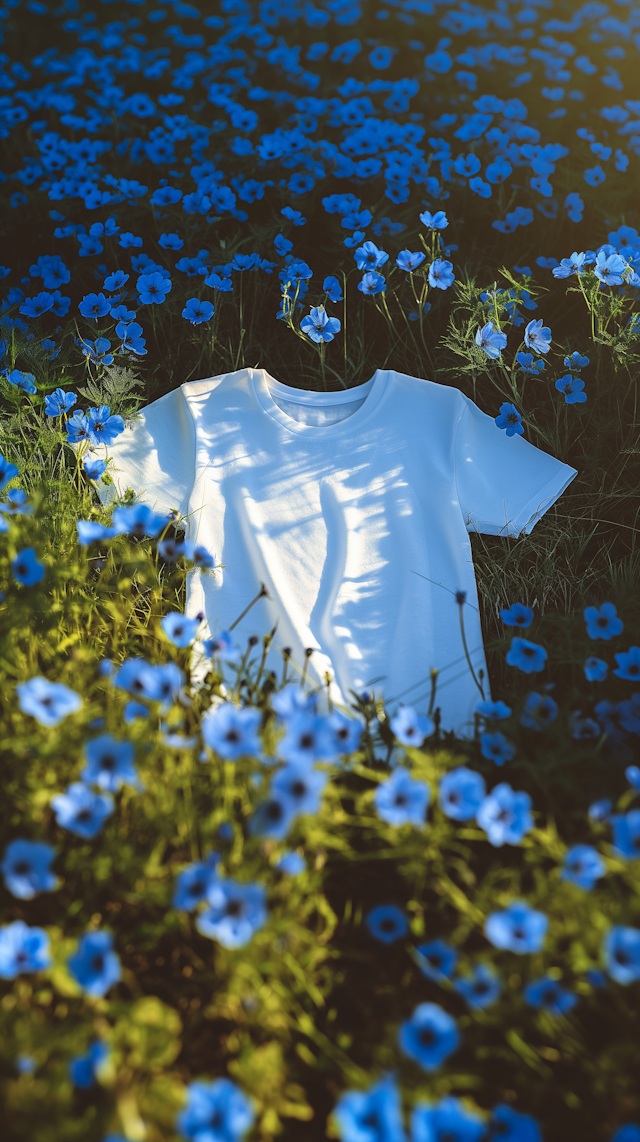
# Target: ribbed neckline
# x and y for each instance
(264, 385)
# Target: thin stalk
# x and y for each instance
(465, 647)
(262, 594)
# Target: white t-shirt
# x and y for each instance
(353, 508)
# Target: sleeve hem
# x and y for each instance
(526, 520)
(533, 510)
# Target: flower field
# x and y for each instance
(232, 908)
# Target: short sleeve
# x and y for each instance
(155, 455)
(504, 483)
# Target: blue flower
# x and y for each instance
(96, 351)
(411, 728)
(380, 58)
(134, 710)
(89, 531)
(374, 1115)
(170, 242)
(223, 646)
(467, 165)
(36, 306)
(273, 817)
(480, 187)
(572, 388)
(576, 264)
(343, 733)
(129, 241)
(628, 664)
(153, 288)
(231, 731)
(7, 472)
(548, 995)
(626, 834)
(369, 257)
(518, 929)
(600, 810)
(235, 911)
(26, 868)
(437, 960)
(510, 1126)
(48, 702)
(102, 427)
(629, 1132)
(495, 711)
(408, 261)
(594, 176)
(93, 468)
(24, 381)
(481, 988)
(94, 305)
(574, 205)
(603, 622)
(23, 949)
(584, 729)
(610, 268)
(291, 864)
(429, 1036)
(498, 170)
(180, 630)
(81, 811)
(121, 314)
(77, 428)
(621, 954)
(193, 883)
(387, 923)
(527, 656)
(517, 616)
(632, 774)
(437, 221)
(539, 711)
(95, 966)
(223, 284)
(110, 763)
(319, 326)
(16, 503)
(402, 801)
(505, 815)
(372, 284)
(491, 341)
(496, 747)
(530, 364)
(26, 569)
(445, 1121)
(282, 245)
(583, 866)
(215, 1112)
(306, 739)
(197, 311)
(82, 1069)
(299, 784)
(293, 215)
(510, 419)
(165, 196)
(576, 361)
(139, 520)
(441, 274)
(116, 281)
(537, 337)
(461, 793)
(333, 289)
(155, 683)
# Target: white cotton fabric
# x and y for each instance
(353, 508)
